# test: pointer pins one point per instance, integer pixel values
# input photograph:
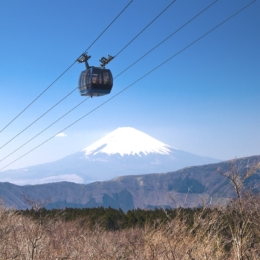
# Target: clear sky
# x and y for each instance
(206, 100)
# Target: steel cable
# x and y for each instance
(167, 38)
(189, 45)
(145, 27)
(85, 53)
(44, 129)
(64, 71)
(37, 119)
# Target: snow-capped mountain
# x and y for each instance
(125, 151)
(127, 141)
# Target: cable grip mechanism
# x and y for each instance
(84, 58)
(104, 61)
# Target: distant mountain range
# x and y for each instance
(125, 151)
(188, 187)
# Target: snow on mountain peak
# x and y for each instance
(127, 141)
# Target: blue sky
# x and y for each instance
(206, 100)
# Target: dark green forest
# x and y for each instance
(114, 219)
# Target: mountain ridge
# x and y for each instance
(122, 152)
(189, 187)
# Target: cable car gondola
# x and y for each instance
(95, 81)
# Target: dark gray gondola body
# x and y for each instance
(95, 81)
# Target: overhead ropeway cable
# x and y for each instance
(120, 92)
(65, 70)
(44, 129)
(145, 28)
(37, 119)
(167, 38)
(115, 78)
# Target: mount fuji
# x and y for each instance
(125, 151)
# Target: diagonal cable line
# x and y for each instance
(45, 129)
(38, 118)
(145, 75)
(85, 53)
(167, 38)
(37, 97)
(145, 27)
(63, 71)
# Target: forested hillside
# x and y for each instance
(190, 187)
(230, 231)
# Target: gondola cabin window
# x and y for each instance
(95, 78)
(88, 79)
(83, 81)
(106, 77)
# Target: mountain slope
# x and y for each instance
(189, 187)
(122, 152)
(127, 141)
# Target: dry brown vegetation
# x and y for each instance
(225, 232)
(23, 238)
